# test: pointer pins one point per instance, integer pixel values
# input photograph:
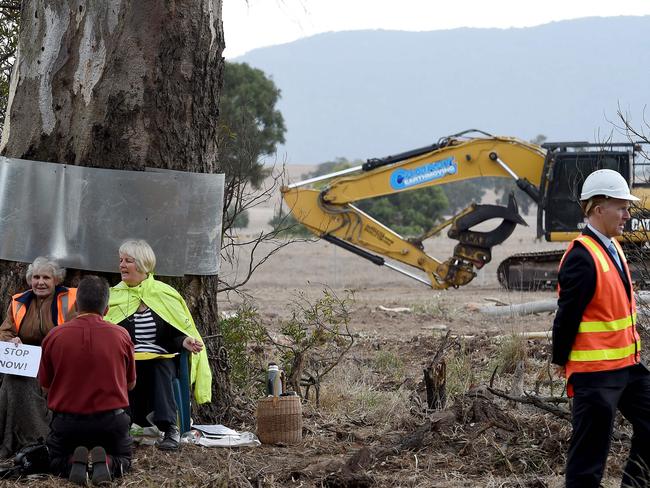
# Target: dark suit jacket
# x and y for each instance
(577, 280)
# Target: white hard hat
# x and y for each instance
(606, 182)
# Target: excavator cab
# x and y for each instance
(565, 169)
(559, 216)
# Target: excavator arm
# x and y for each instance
(330, 213)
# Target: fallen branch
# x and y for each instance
(395, 309)
(563, 413)
(469, 442)
(541, 334)
(543, 404)
(347, 473)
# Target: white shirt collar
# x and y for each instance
(603, 238)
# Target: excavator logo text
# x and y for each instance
(401, 179)
(640, 224)
(374, 231)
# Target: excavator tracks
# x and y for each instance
(530, 271)
(538, 270)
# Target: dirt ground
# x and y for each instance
(309, 266)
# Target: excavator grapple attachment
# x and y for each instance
(475, 246)
(460, 229)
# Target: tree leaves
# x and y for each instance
(250, 127)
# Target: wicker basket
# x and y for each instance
(279, 420)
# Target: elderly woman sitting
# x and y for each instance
(160, 325)
(24, 417)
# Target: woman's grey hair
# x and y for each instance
(145, 258)
(42, 263)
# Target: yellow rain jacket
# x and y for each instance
(170, 306)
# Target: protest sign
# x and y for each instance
(21, 360)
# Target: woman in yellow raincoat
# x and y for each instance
(160, 325)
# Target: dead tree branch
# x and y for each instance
(239, 197)
(542, 404)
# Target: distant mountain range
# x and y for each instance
(363, 94)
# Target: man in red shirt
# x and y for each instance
(87, 367)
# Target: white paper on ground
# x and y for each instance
(215, 430)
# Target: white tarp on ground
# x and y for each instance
(202, 435)
(232, 439)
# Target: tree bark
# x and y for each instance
(122, 85)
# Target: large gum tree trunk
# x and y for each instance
(121, 84)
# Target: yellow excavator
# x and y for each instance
(551, 174)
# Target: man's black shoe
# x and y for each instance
(101, 473)
(79, 469)
(172, 439)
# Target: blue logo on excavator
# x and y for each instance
(401, 179)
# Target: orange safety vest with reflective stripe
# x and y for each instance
(607, 338)
(65, 301)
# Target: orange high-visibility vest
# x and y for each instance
(607, 338)
(65, 301)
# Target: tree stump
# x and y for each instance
(435, 380)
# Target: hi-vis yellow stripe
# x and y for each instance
(142, 356)
(612, 326)
(605, 354)
(596, 250)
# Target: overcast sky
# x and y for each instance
(249, 24)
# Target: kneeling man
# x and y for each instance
(87, 366)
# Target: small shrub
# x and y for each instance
(512, 350)
(315, 339)
(242, 335)
(436, 308)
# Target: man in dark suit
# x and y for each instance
(595, 341)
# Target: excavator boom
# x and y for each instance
(457, 160)
(329, 212)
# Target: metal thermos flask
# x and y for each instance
(274, 380)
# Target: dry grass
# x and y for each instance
(512, 350)
(354, 395)
(479, 441)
